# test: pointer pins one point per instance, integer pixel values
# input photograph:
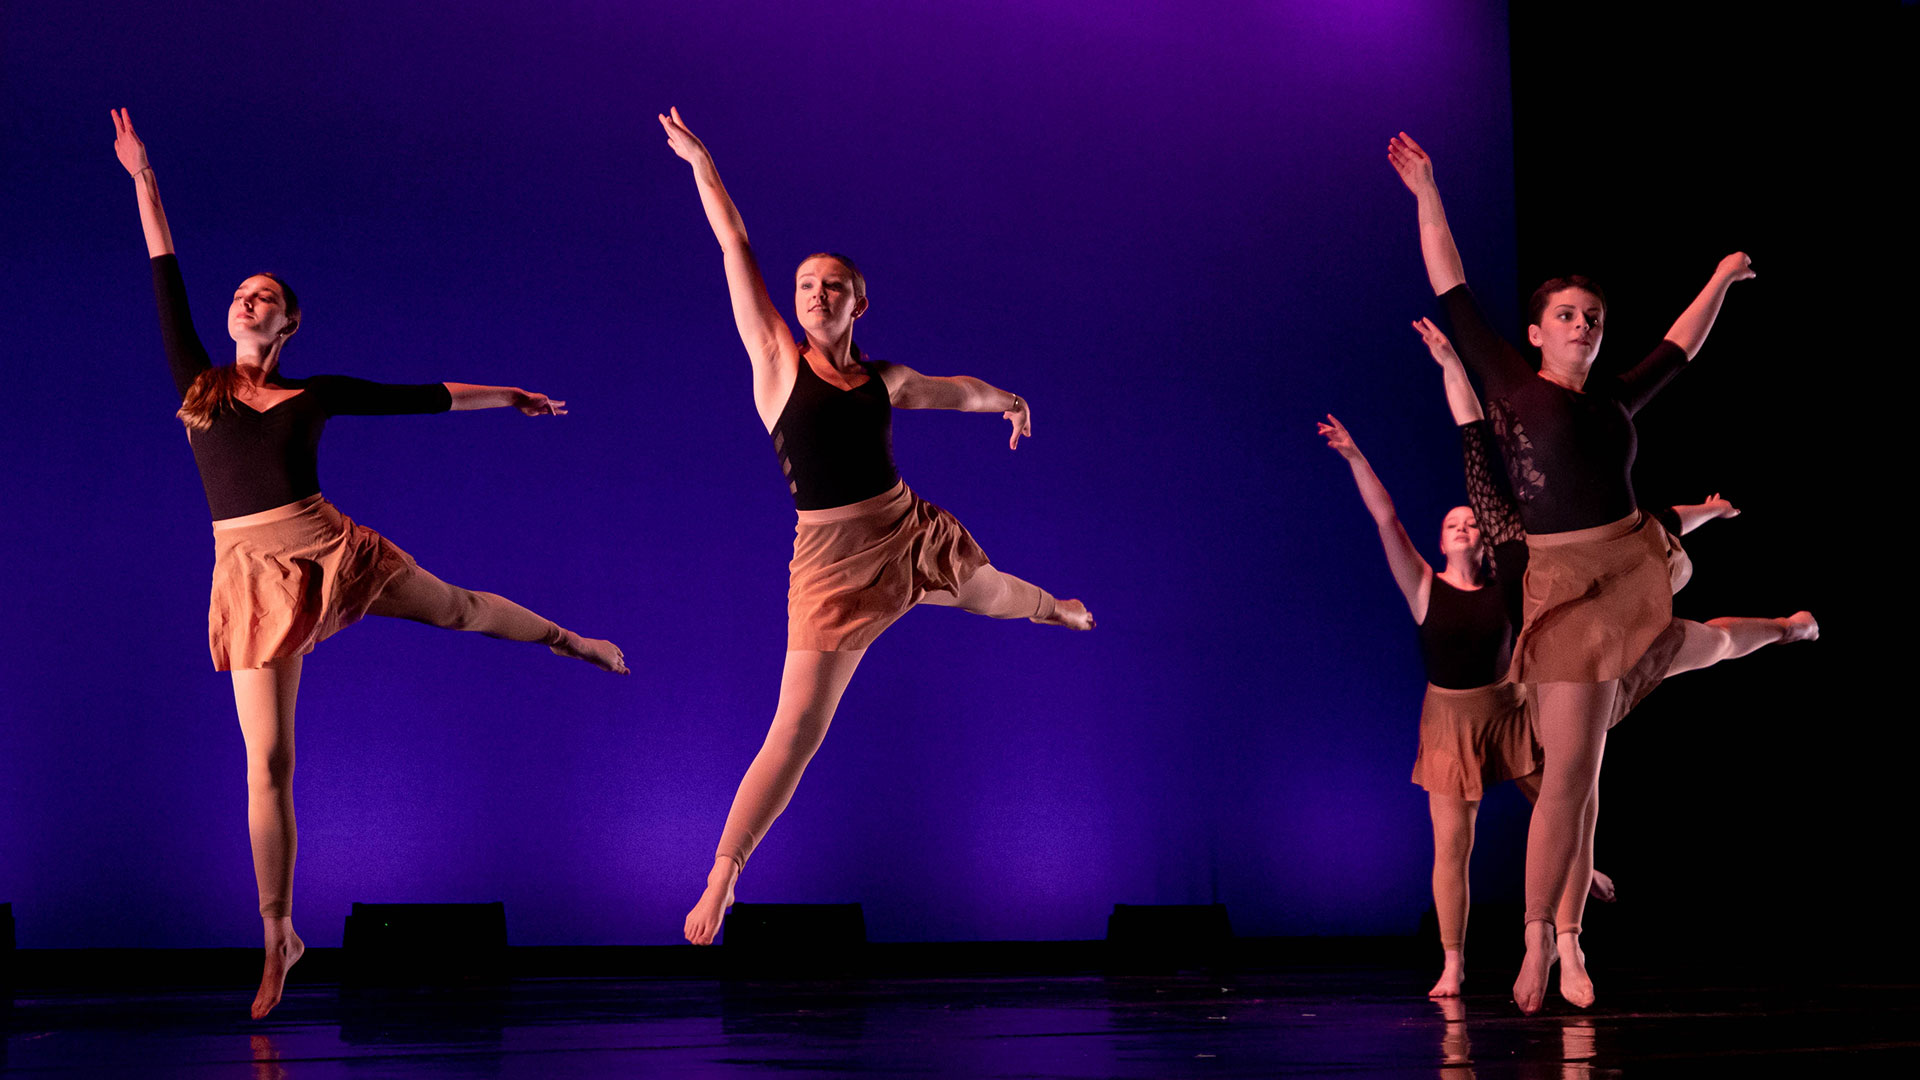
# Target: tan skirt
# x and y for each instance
(288, 578)
(1471, 740)
(857, 568)
(1596, 599)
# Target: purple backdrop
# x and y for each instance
(1172, 229)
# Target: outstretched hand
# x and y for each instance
(1437, 343)
(1022, 416)
(534, 404)
(1411, 162)
(1337, 437)
(126, 145)
(1719, 507)
(682, 141)
(1736, 267)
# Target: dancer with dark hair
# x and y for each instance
(866, 548)
(1598, 621)
(290, 570)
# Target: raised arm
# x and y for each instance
(1461, 399)
(908, 389)
(146, 190)
(769, 343)
(1410, 571)
(1436, 237)
(1691, 328)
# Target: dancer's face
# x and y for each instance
(259, 311)
(823, 296)
(1568, 333)
(1460, 532)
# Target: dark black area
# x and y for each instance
(1760, 804)
(1282, 1010)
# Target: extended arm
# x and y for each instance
(1436, 237)
(1410, 571)
(146, 189)
(1691, 328)
(761, 328)
(908, 389)
(1694, 515)
(467, 396)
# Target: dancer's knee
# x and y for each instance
(270, 773)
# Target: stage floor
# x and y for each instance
(1351, 1022)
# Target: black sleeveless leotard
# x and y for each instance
(836, 446)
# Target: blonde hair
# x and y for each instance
(212, 391)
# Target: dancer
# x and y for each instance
(866, 548)
(1599, 585)
(290, 570)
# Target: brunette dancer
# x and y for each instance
(866, 548)
(289, 569)
(1598, 620)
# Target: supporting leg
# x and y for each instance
(1452, 851)
(810, 688)
(1572, 726)
(264, 699)
(1575, 984)
(421, 597)
(1601, 887)
(1002, 596)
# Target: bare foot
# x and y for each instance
(703, 922)
(1601, 888)
(1451, 976)
(1575, 986)
(283, 951)
(1801, 627)
(1071, 614)
(599, 652)
(1530, 988)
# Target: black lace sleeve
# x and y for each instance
(1487, 491)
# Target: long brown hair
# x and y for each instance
(212, 391)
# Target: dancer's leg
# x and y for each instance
(421, 597)
(1572, 725)
(264, 699)
(1708, 643)
(1002, 596)
(1575, 984)
(1601, 886)
(1452, 850)
(810, 689)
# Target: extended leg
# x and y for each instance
(1002, 596)
(421, 597)
(264, 699)
(1572, 725)
(810, 688)
(1452, 850)
(1708, 643)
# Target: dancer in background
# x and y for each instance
(289, 569)
(1598, 618)
(866, 548)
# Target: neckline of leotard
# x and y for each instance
(866, 368)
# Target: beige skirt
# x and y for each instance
(857, 568)
(289, 578)
(1471, 740)
(1596, 600)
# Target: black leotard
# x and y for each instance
(251, 460)
(1466, 640)
(836, 446)
(1569, 453)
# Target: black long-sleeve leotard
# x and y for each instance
(1569, 453)
(252, 460)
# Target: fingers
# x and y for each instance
(1412, 146)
